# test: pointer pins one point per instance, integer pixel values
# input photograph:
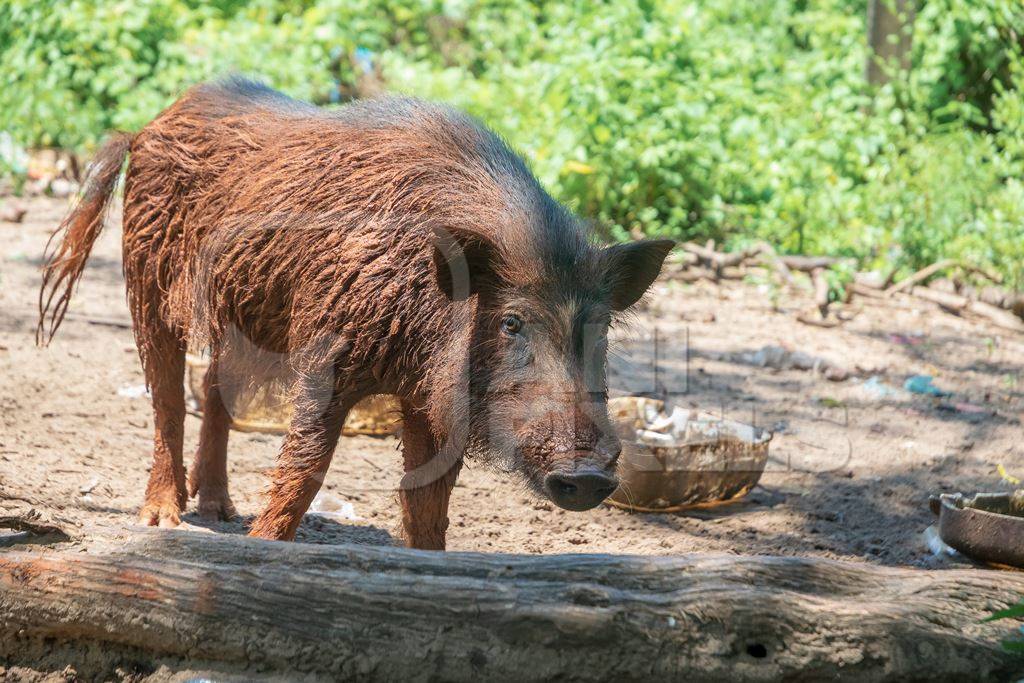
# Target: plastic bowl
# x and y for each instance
(266, 409)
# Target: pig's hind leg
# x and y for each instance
(208, 477)
(427, 485)
(164, 364)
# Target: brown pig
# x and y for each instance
(391, 246)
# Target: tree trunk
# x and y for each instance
(238, 606)
(889, 38)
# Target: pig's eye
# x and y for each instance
(511, 324)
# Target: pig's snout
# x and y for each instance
(580, 489)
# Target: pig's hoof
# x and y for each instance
(164, 515)
(216, 505)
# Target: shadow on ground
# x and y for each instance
(315, 529)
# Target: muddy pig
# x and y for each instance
(390, 246)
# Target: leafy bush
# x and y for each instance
(737, 120)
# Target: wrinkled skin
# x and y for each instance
(393, 247)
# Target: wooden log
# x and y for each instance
(996, 315)
(889, 37)
(864, 290)
(773, 260)
(959, 304)
(809, 264)
(871, 280)
(239, 606)
(953, 303)
(945, 264)
(714, 258)
(820, 291)
(819, 315)
(733, 273)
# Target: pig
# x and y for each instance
(392, 246)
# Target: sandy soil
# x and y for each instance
(849, 477)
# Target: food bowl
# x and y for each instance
(265, 408)
(988, 527)
(683, 459)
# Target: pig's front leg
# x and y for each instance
(302, 462)
(427, 484)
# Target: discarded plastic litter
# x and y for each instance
(332, 507)
(133, 391)
(922, 384)
(935, 544)
(877, 390)
(781, 358)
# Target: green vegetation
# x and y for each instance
(732, 119)
(1013, 612)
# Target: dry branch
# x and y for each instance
(989, 275)
(925, 273)
(865, 290)
(237, 605)
(920, 276)
(813, 317)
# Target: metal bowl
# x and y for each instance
(266, 409)
(988, 527)
(705, 461)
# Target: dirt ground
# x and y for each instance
(850, 471)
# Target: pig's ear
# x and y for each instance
(631, 268)
(463, 262)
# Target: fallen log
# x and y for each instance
(717, 259)
(998, 316)
(872, 280)
(821, 293)
(769, 254)
(948, 301)
(958, 305)
(819, 315)
(945, 264)
(808, 264)
(237, 606)
(866, 291)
